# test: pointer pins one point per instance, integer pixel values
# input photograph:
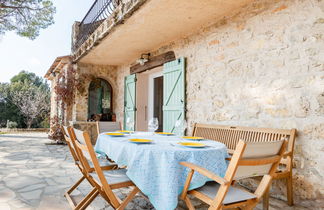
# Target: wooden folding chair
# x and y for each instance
(105, 181)
(230, 136)
(84, 202)
(107, 126)
(249, 159)
(103, 126)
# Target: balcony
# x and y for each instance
(132, 27)
(99, 11)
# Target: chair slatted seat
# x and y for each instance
(230, 136)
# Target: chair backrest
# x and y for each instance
(258, 158)
(107, 126)
(249, 159)
(67, 137)
(83, 143)
(79, 145)
(254, 159)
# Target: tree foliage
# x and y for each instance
(32, 101)
(25, 100)
(28, 77)
(26, 17)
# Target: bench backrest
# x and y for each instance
(230, 135)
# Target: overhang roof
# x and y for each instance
(57, 65)
(155, 24)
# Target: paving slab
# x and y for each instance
(6, 195)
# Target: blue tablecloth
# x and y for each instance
(155, 167)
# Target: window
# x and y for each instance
(100, 100)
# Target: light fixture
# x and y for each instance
(144, 58)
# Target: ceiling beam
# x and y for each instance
(153, 62)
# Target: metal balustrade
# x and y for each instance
(99, 11)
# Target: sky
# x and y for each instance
(19, 53)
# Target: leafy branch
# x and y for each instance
(26, 17)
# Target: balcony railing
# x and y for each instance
(99, 11)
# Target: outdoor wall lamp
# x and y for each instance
(144, 58)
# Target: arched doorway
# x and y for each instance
(100, 100)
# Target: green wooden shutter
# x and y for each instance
(173, 93)
(129, 100)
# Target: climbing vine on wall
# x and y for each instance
(67, 85)
(64, 90)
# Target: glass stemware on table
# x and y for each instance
(130, 124)
(180, 127)
(153, 125)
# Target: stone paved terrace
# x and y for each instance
(35, 174)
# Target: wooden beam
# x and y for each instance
(153, 62)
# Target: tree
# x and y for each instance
(25, 90)
(32, 101)
(29, 77)
(9, 111)
(26, 17)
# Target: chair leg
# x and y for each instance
(128, 199)
(67, 193)
(266, 198)
(189, 204)
(101, 191)
(76, 185)
(87, 200)
(290, 197)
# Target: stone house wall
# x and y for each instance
(85, 74)
(264, 67)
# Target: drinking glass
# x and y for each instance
(153, 124)
(180, 127)
(130, 123)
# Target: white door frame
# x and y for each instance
(151, 93)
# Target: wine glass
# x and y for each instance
(130, 123)
(153, 124)
(180, 126)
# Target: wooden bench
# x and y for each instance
(230, 136)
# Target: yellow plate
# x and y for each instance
(191, 144)
(114, 134)
(140, 141)
(164, 133)
(122, 131)
(193, 137)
